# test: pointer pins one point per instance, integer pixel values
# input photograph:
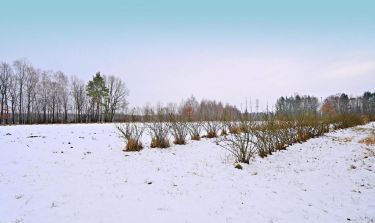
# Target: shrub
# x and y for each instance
(159, 143)
(275, 133)
(224, 131)
(212, 128)
(195, 130)
(159, 132)
(342, 121)
(234, 128)
(242, 146)
(131, 133)
(179, 130)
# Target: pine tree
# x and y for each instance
(96, 90)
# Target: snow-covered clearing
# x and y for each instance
(79, 173)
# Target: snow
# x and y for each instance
(79, 173)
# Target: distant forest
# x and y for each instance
(31, 95)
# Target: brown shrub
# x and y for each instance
(179, 141)
(234, 129)
(159, 132)
(180, 130)
(133, 145)
(210, 135)
(212, 128)
(161, 143)
(195, 137)
(195, 130)
(131, 133)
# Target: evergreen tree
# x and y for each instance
(96, 90)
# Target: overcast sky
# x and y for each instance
(224, 50)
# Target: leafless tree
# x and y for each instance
(44, 89)
(5, 81)
(116, 99)
(63, 94)
(13, 96)
(78, 91)
(20, 67)
(31, 81)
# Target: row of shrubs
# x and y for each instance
(244, 138)
(274, 133)
(160, 132)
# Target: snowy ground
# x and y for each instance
(78, 173)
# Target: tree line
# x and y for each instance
(30, 95)
(188, 110)
(293, 106)
(332, 105)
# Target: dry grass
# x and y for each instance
(161, 143)
(211, 135)
(179, 141)
(369, 140)
(195, 137)
(133, 146)
(234, 130)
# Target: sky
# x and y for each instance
(231, 51)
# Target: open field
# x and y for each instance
(79, 173)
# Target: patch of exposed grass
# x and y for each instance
(369, 140)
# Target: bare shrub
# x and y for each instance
(159, 132)
(195, 130)
(264, 140)
(212, 128)
(179, 129)
(242, 146)
(234, 128)
(310, 126)
(224, 129)
(273, 135)
(342, 121)
(322, 127)
(131, 133)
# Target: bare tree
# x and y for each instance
(13, 96)
(31, 81)
(44, 88)
(63, 94)
(78, 91)
(20, 67)
(5, 79)
(116, 99)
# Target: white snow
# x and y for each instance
(79, 173)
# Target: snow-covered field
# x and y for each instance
(79, 173)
